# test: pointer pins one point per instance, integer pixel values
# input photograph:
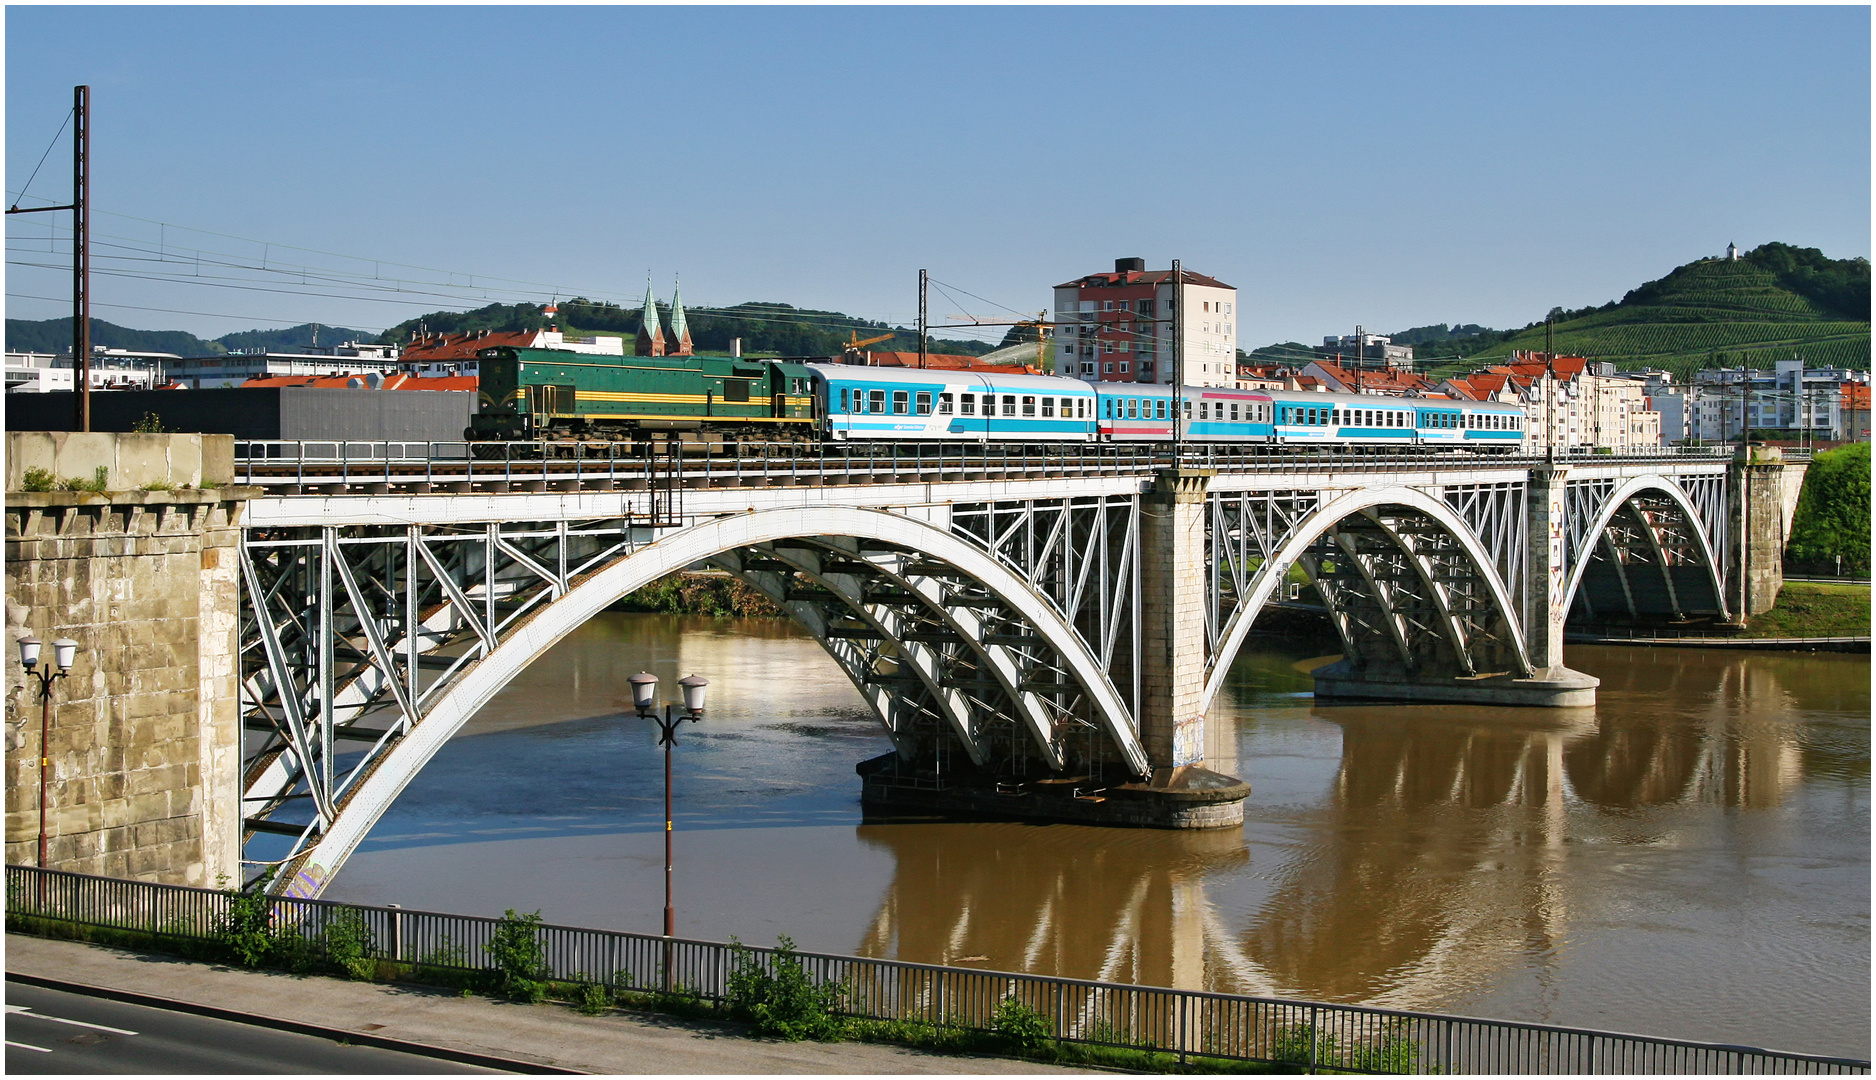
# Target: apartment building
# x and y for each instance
(1790, 397)
(1570, 401)
(1121, 326)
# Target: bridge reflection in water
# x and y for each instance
(1450, 844)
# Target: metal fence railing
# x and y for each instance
(1317, 1036)
(330, 466)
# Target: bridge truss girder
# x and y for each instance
(1405, 579)
(1647, 546)
(949, 645)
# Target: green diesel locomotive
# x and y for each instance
(552, 394)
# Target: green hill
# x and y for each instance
(55, 335)
(767, 329)
(1774, 303)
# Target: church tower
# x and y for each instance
(650, 337)
(677, 336)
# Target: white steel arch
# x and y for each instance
(1612, 505)
(681, 548)
(1320, 520)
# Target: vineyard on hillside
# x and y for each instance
(1707, 314)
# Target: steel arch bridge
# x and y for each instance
(1024, 626)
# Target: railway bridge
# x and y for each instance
(1039, 631)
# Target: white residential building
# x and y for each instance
(1120, 326)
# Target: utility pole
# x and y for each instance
(81, 256)
(922, 279)
(1361, 360)
(1179, 373)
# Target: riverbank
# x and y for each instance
(1807, 614)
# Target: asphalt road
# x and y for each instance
(50, 1031)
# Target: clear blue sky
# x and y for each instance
(1384, 166)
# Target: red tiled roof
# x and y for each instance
(465, 346)
(1141, 277)
(1389, 380)
(395, 381)
(946, 362)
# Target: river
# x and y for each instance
(1689, 859)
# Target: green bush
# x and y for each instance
(244, 933)
(781, 997)
(99, 478)
(1022, 1027)
(592, 998)
(520, 966)
(38, 480)
(348, 946)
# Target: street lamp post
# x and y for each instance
(644, 699)
(64, 650)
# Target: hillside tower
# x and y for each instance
(677, 335)
(650, 337)
(1732, 252)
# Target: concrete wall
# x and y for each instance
(145, 744)
(259, 412)
(131, 461)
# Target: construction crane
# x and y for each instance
(850, 349)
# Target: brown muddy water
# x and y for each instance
(1690, 858)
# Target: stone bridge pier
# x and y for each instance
(142, 762)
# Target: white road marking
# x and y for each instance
(27, 1009)
(28, 1046)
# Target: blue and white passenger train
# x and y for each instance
(898, 405)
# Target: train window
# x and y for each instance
(843, 399)
(876, 401)
(1009, 404)
(923, 402)
(967, 404)
(1048, 406)
(1029, 404)
(944, 404)
(1234, 410)
(900, 399)
(735, 389)
(1188, 410)
(1205, 413)
(1133, 408)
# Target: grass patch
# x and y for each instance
(1815, 609)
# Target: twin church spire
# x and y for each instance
(655, 339)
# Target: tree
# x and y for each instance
(1832, 520)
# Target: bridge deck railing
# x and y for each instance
(301, 465)
(1316, 1036)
